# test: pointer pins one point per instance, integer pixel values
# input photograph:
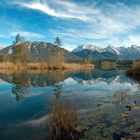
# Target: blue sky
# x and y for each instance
(100, 22)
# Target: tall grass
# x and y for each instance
(78, 66)
(42, 66)
(62, 121)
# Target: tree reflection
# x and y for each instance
(22, 81)
(20, 84)
(88, 74)
(136, 78)
(59, 76)
(57, 90)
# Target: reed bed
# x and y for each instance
(43, 65)
(78, 66)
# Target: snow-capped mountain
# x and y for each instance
(88, 47)
(110, 52)
(111, 49)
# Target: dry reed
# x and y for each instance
(63, 120)
(42, 65)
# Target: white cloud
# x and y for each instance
(107, 21)
(63, 9)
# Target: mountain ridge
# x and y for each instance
(37, 50)
(109, 52)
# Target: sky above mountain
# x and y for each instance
(100, 22)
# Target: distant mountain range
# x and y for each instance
(40, 50)
(110, 52)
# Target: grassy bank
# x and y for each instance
(43, 66)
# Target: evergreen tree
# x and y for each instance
(19, 50)
(58, 41)
(18, 39)
(56, 56)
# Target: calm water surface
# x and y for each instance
(107, 101)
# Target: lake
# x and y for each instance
(107, 101)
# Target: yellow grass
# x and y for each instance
(43, 65)
(77, 66)
(7, 65)
(20, 66)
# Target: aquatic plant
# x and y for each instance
(63, 120)
(121, 96)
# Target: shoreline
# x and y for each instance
(8, 66)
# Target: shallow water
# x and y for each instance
(102, 97)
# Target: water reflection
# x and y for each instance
(121, 97)
(35, 78)
(135, 77)
(21, 82)
(57, 90)
(106, 115)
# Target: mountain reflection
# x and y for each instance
(43, 79)
(22, 81)
(97, 76)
